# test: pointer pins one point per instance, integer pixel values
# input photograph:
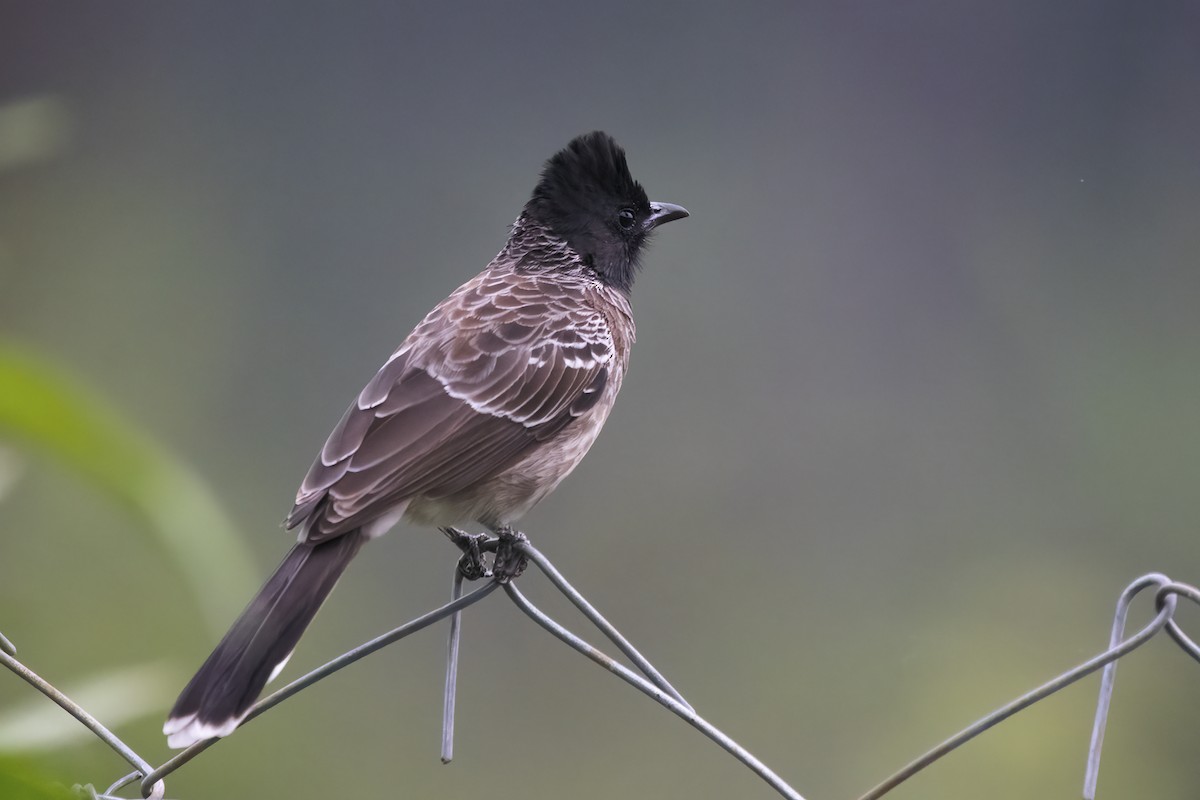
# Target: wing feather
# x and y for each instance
(497, 368)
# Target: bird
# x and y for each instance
(483, 409)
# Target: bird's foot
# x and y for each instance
(471, 566)
(510, 562)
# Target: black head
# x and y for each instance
(587, 196)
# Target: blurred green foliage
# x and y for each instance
(22, 780)
(47, 410)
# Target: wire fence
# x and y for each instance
(150, 780)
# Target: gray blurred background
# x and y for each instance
(914, 396)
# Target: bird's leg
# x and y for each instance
(471, 565)
(509, 562)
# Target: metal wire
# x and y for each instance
(77, 711)
(478, 545)
(1109, 677)
(1117, 650)
(654, 684)
(1182, 639)
(124, 781)
(1168, 590)
(683, 710)
(324, 671)
(451, 691)
(614, 636)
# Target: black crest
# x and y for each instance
(585, 196)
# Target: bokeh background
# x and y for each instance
(915, 392)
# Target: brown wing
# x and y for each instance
(505, 362)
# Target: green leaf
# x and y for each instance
(20, 780)
(44, 408)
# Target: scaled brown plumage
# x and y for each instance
(485, 407)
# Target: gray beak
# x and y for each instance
(662, 213)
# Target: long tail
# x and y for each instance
(220, 695)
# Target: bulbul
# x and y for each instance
(480, 413)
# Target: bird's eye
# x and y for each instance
(626, 218)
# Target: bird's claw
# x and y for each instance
(471, 566)
(509, 562)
